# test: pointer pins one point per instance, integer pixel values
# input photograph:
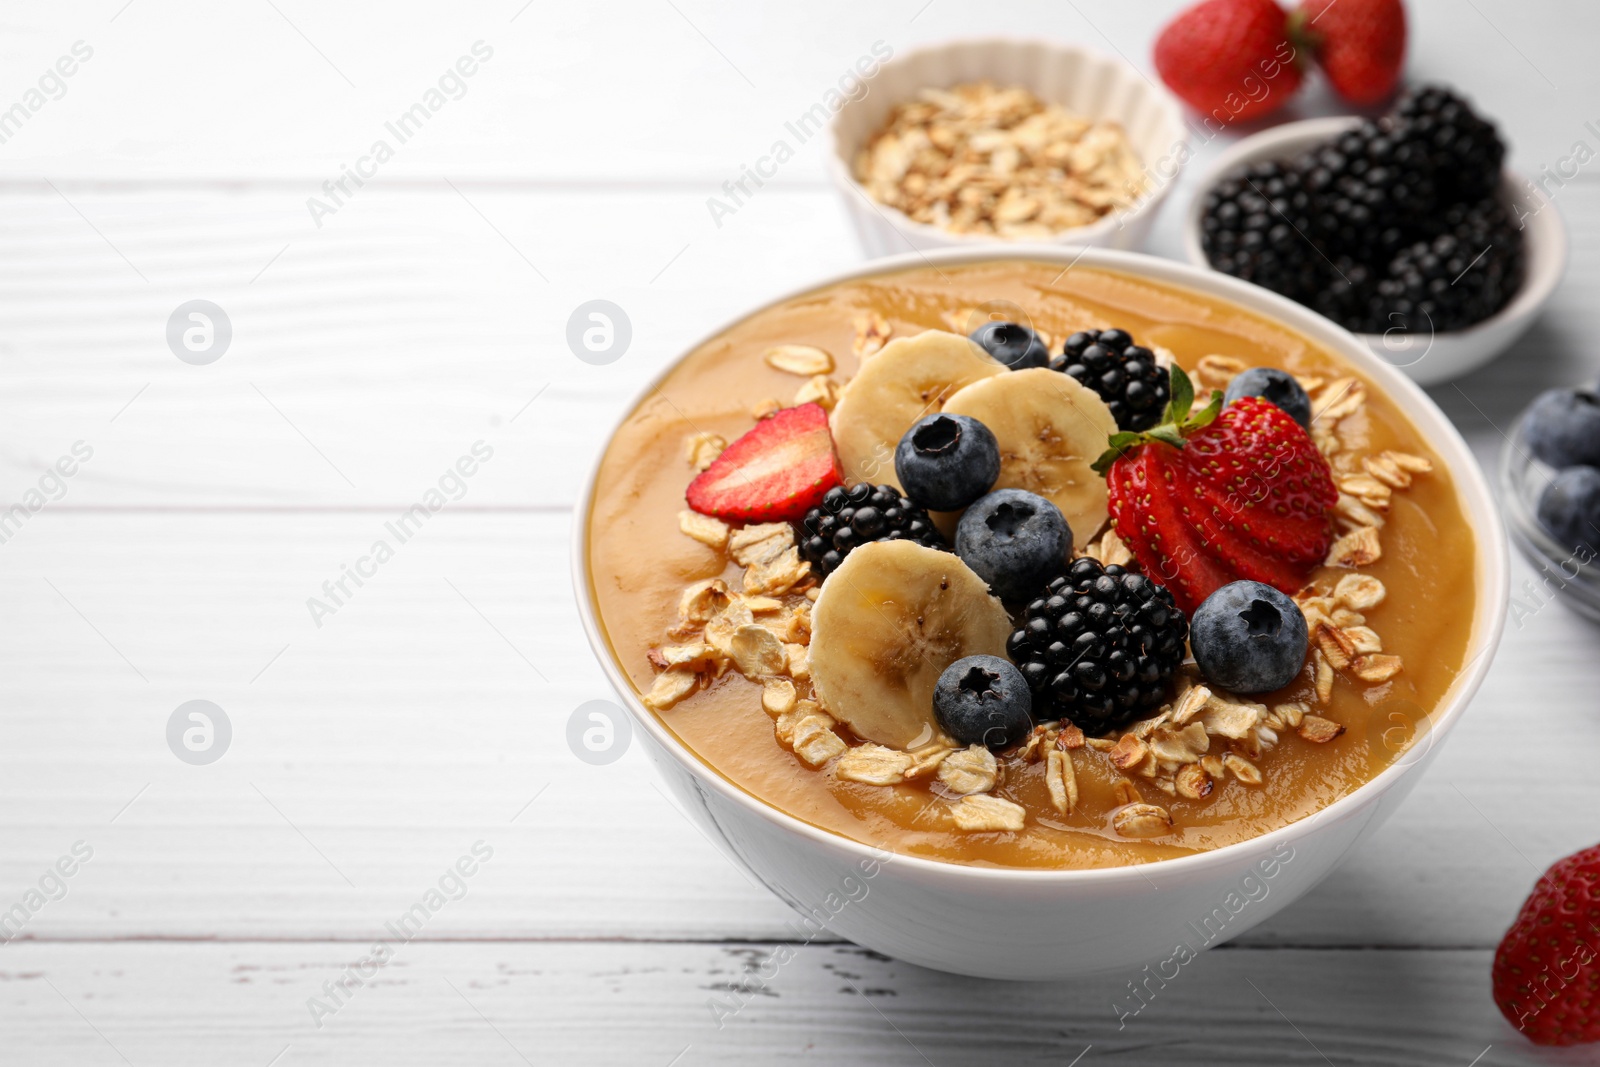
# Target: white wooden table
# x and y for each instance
(428, 713)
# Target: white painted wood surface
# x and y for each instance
(427, 314)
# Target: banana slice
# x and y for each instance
(886, 625)
(908, 379)
(1050, 430)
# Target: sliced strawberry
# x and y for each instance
(1151, 521)
(1210, 497)
(1264, 475)
(1223, 531)
(775, 473)
(1241, 556)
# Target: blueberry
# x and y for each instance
(1276, 387)
(1563, 427)
(983, 700)
(1249, 638)
(945, 462)
(1015, 540)
(1569, 509)
(1012, 344)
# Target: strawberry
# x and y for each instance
(775, 473)
(1168, 552)
(1360, 44)
(1230, 59)
(1212, 496)
(1546, 972)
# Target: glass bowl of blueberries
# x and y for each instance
(1550, 473)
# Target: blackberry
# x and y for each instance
(1366, 189)
(1255, 226)
(1347, 296)
(1454, 280)
(1124, 374)
(849, 518)
(1363, 227)
(1100, 646)
(1463, 149)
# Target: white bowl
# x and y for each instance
(1039, 924)
(1427, 357)
(1082, 81)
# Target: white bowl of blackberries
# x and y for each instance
(1406, 229)
(1550, 473)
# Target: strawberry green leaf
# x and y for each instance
(1117, 443)
(1167, 433)
(1176, 423)
(1206, 415)
(1182, 397)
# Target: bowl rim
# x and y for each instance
(1492, 556)
(840, 172)
(1545, 243)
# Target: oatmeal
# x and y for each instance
(986, 160)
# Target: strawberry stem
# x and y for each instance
(1179, 421)
(1305, 41)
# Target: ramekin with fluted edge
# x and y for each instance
(1041, 924)
(1428, 357)
(1083, 81)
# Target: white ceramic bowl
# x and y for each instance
(1429, 358)
(1082, 81)
(1033, 924)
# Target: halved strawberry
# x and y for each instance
(776, 472)
(1213, 496)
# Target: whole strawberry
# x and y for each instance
(1213, 496)
(1230, 59)
(1360, 44)
(1547, 969)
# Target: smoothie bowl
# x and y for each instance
(1028, 614)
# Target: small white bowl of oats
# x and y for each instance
(1015, 141)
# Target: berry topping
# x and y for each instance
(1015, 345)
(1563, 427)
(945, 462)
(1546, 974)
(1249, 638)
(1015, 540)
(1212, 496)
(849, 518)
(983, 700)
(773, 473)
(1216, 49)
(1124, 374)
(1274, 386)
(1360, 44)
(1098, 646)
(1569, 509)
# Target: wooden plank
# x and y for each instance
(604, 1003)
(622, 92)
(381, 746)
(368, 356)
